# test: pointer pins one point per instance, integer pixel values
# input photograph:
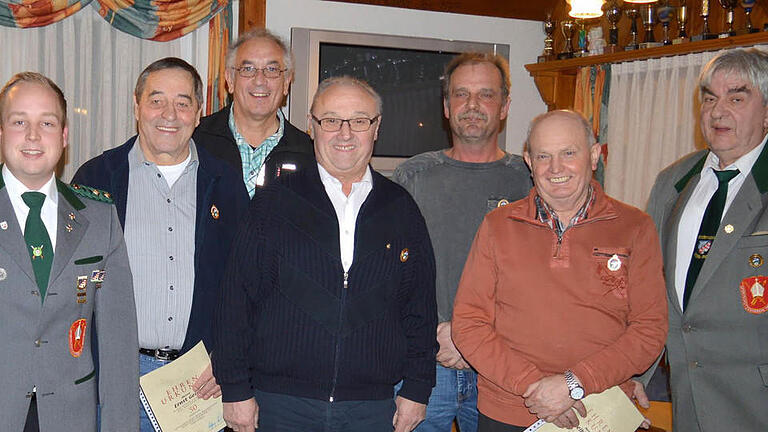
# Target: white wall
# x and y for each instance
(525, 40)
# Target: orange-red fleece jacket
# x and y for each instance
(529, 306)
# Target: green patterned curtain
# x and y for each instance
(158, 20)
(37, 13)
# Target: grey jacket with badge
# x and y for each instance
(718, 347)
(47, 345)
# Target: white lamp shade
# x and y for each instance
(586, 8)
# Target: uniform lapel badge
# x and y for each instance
(728, 229)
(214, 211)
(68, 228)
(3, 274)
(703, 245)
(753, 294)
(404, 255)
(388, 246)
(755, 260)
(502, 203)
(77, 337)
(4, 225)
(82, 283)
(614, 263)
(71, 216)
(97, 277)
(37, 252)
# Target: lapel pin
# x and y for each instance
(214, 211)
(502, 203)
(389, 246)
(3, 274)
(404, 255)
(71, 216)
(755, 260)
(68, 228)
(728, 229)
(37, 252)
(614, 263)
(4, 225)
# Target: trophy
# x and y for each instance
(728, 5)
(705, 34)
(682, 17)
(566, 27)
(748, 5)
(582, 40)
(632, 15)
(613, 14)
(665, 13)
(549, 50)
(648, 14)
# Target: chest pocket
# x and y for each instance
(611, 268)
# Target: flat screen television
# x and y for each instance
(405, 71)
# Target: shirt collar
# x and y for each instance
(240, 139)
(136, 157)
(16, 187)
(328, 179)
(743, 164)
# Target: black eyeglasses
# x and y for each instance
(359, 124)
(248, 71)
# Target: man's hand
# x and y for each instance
(408, 414)
(639, 395)
(548, 398)
(206, 386)
(569, 419)
(448, 356)
(242, 416)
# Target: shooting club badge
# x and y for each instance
(82, 284)
(753, 294)
(703, 245)
(97, 277)
(77, 337)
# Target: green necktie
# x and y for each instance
(708, 230)
(38, 242)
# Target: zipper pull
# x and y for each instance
(346, 282)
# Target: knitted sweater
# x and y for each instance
(293, 322)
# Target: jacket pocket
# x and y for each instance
(611, 267)
(86, 378)
(763, 369)
(89, 260)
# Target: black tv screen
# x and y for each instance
(409, 82)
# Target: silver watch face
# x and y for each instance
(577, 393)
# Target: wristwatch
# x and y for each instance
(574, 388)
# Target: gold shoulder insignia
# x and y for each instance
(91, 193)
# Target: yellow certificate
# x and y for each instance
(170, 400)
(609, 411)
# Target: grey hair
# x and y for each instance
(749, 64)
(347, 81)
(261, 33)
(472, 58)
(170, 63)
(588, 133)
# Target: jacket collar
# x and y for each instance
(759, 172)
(525, 209)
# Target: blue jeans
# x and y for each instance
(454, 397)
(286, 413)
(146, 365)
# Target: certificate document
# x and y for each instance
(169, 398)
(609, 411)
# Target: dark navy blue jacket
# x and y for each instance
(294, 322)
(217, 184)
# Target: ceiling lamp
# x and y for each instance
(585, 9)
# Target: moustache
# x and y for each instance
(473, 114)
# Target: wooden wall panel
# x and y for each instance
(253, 13)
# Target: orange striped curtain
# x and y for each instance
(220, 35)
(591, 101)
(37, 13)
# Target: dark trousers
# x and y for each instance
(32, 423)
(285, 413)
(487, 424)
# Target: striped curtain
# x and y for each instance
(591, 101)
(220, 34)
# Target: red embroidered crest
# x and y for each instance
(753, 296)
(77, 337)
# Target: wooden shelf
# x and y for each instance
(556, 80)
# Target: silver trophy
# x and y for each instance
(566, 27)
(649, 21)
(613, 15)
(729, 6)
(665, 13)
(682, 18)
(549, 49)
(705, 33)
(748, 5)
(632, 14)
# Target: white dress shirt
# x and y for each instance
(48, 213)
(347, 208)
(690, 220)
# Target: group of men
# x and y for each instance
(485, 289)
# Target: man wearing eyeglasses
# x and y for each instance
(252, 134)
(341, 305)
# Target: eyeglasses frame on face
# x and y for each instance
(371, 121)
(243, 74)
